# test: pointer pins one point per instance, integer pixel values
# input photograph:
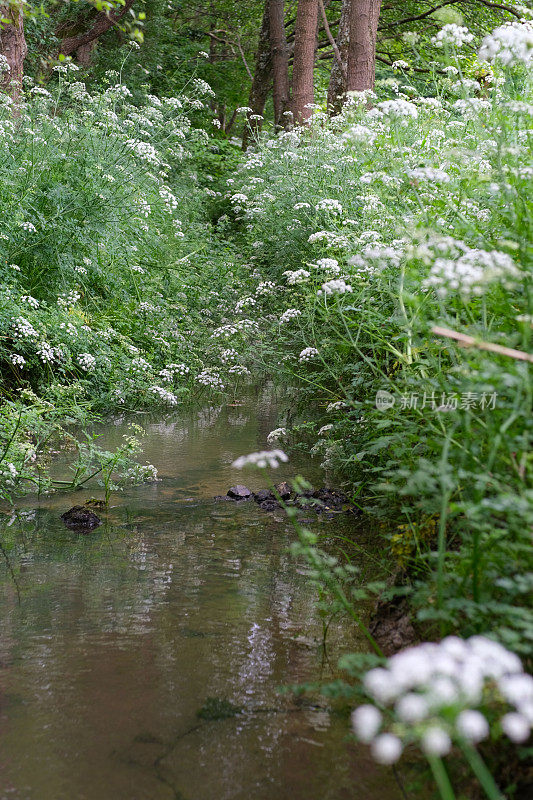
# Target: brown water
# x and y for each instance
(119, 636)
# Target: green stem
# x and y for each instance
(441, 778)
(482, 773)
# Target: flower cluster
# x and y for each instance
(471, 273)
(263, 459)
(438, 693)
(453, 35)
(290, 313)
(164, 395)
(276, 435)
(510, 44)
(335, 287)
(307, 354)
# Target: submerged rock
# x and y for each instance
(81, 518)
(239, 492)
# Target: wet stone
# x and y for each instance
(239, 492)
(262, 495)
(284, 490)
(81, 519)
(269, 505)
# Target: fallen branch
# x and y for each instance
(469, 341)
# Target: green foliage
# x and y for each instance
(372, 229)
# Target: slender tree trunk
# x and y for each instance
(337, 79)
(102, 23)
(13, 48)
(280, 60)
(261, 81)
(364, 18)
(304, 59)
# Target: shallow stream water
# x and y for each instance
(111, 642)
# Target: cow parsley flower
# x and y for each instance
(435, 741)
(276, 435)
(329, 204)
(17, 360)
(366, 722)
(262, 459)
(290, 313)
(453, 35)
(510, 44)
(439, 692)
(307, 354)
(387, 748)
(31, 301)
(87, 362)
(335, 287)
(164, 395)
(471, 273)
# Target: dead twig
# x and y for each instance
(470, 341)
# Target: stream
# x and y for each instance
(111, 642)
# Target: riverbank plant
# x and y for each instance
(111, 278)
(382, 242)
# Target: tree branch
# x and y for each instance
(102, 24)
(330, 37)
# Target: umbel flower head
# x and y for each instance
(436, 694)
(263, 459)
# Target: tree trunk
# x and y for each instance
(280, 61)
(85, 52)
(337, 79)
(261, 81)
(13, 48)
(102, 23)
(304, 59)
(364, 19)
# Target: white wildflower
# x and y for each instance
(452, 34)
(164, 395)
(263, 459)
(329, 204)
(511, 43)
(87, 362)
(290, 313)
(276, 435)
(516, 726)
(472, 725)
(366, 722)
(387, 748)
(307, 354)
(335, 287)
(435, 741)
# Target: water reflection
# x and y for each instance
(121, 635)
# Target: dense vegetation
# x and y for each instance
(376, 261)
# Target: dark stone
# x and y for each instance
(220, 497)
(81, 518)
(284, 490)
(331, 498)
(262, 495)
(239, 492)
(269, 505)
